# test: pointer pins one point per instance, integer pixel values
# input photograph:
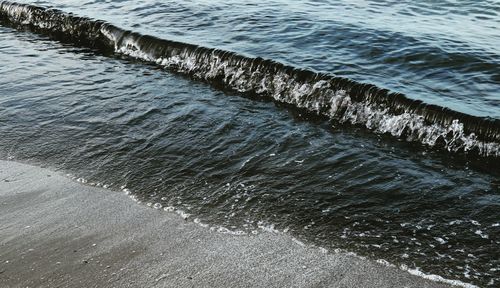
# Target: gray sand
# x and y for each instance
(55, 232)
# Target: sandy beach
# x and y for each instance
(55, 232)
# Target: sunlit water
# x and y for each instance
(241, 163)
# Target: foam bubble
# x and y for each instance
(183, 214)
(169, 209)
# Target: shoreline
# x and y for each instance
(57, 232)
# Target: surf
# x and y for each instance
(340, 99)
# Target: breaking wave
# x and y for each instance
(340, 99)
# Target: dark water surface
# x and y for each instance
(244, 163)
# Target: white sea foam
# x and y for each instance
(481, 234)
(440, 240)
(385, 263)
(323, 250)
(474, 222)
(224, 230)
(298, 242)
(198, 221)
(270, 228)
(183, 214)
(169, 209)
(81, 180)
(437, 278)
(267, 227)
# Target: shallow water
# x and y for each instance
(242, 162)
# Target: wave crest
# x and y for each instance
(337, 98)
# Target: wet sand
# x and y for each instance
(55, 232)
